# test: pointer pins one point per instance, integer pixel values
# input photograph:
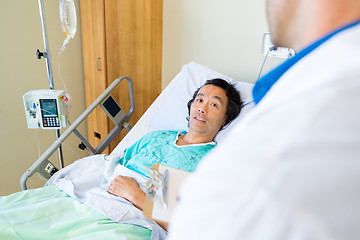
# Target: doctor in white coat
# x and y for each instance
(291, 168)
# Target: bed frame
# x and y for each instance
(112, 110)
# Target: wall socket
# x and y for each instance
(270, 50)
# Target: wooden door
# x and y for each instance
(94, 60)
(134, 49)
(121, 38)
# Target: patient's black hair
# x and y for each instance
(234, 105)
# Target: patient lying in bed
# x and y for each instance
(111, 188)
(213, 106)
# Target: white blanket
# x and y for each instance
(88, 180)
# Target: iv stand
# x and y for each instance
(46, 55)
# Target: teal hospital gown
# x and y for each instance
(160, 147)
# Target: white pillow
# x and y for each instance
(169, 110)
(172, 114)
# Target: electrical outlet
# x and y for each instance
(270, 50)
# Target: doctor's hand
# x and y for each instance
(128, 188)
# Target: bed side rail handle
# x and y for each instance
(120, 120)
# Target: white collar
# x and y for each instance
(191, 145)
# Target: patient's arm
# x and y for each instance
(128, 188)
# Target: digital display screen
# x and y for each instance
(48, 107)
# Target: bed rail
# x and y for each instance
(114, 112)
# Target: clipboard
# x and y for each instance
(155, 210)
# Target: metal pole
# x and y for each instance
(48, 67)
(46, 45)
(61, 160)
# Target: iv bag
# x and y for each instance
(68, 20)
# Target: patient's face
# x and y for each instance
(208, 111)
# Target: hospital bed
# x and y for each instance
(83, 209)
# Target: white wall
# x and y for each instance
(224, 35)
(21, 71)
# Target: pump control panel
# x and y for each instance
(46, 108)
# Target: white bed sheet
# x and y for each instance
(87, 179)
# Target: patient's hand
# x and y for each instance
(128, 188)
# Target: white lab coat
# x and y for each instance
(291, 169)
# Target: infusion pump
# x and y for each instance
(46, 108)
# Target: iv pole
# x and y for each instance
(46, 55)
